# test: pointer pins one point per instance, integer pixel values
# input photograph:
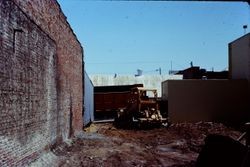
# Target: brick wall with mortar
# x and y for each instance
(28, 95)
(48, 15)
(40, 78)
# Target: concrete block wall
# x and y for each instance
(48, 15)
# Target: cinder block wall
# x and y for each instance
(48, 15)
(40, 79)
(207, 100)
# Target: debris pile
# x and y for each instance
(175, 146)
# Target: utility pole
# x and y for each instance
(159, 69)
(171, 65)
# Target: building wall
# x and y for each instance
(149, 81)
(48, 15)
(41, 92)
(239, 58)
(28, 94)
(207, 100)
(88, 115)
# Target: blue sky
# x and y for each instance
(123, 36)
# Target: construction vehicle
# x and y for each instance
(142, 109)
(108, 100)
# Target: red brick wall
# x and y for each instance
(40, 79)
(48, 15)
(28, 94)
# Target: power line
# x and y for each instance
(132, 62)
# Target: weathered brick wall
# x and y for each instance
(28, 94)
(40, 79)
(48, 15)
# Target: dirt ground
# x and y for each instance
(174, 146)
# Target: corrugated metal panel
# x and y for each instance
(88, 115)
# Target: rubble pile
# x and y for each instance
(173, 146)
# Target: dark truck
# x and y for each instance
(108, 100)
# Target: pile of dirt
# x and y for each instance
(174, 146)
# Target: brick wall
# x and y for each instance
(40, 79)
(28, 96)
(48, 15)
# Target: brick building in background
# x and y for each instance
(41, 79)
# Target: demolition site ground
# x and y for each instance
(104, 145)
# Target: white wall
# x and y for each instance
(239, 58)
(149, 81)
(88, 115)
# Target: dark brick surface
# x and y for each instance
(48, 15)
(40, 79)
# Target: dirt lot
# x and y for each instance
(104, 145)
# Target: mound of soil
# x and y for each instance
(174, 146)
